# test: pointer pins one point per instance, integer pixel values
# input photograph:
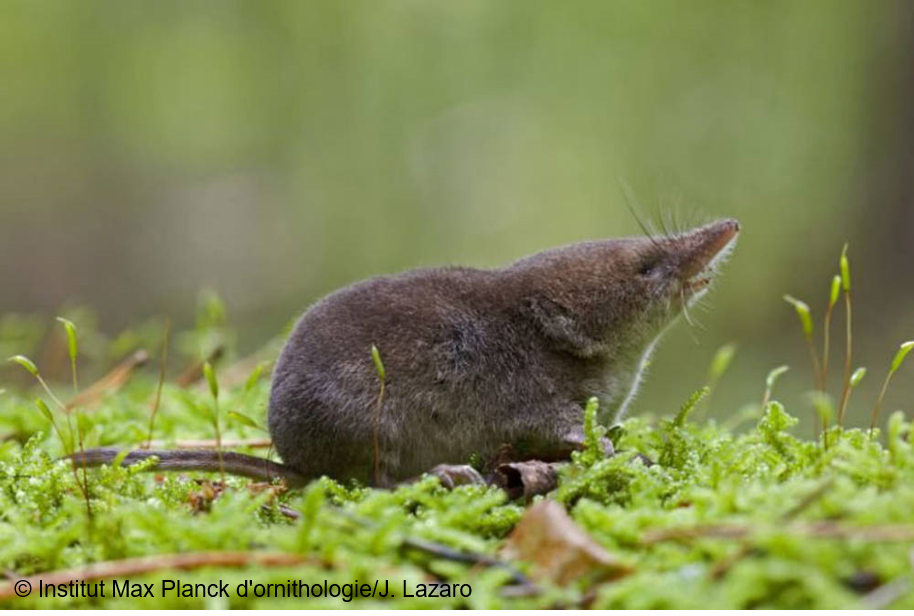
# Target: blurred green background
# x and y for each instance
(273, 151)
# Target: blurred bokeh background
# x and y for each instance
(272, 151)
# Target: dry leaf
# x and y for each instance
(202, 501)
(527, 479)
(560, 551)
(261, 487)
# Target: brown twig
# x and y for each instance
(150, 564)
(111, 382)
(824, 530)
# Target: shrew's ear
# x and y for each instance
(561, 326)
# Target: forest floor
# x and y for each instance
(740, 514)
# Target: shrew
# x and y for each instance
(475, 360)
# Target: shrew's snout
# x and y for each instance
(703, 246)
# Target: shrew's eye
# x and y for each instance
(648, 266)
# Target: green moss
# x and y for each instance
(765, 480)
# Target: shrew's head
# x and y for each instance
(620, 294)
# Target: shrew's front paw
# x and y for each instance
(453, 475)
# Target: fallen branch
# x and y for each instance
(150, 564)
(823, 530)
